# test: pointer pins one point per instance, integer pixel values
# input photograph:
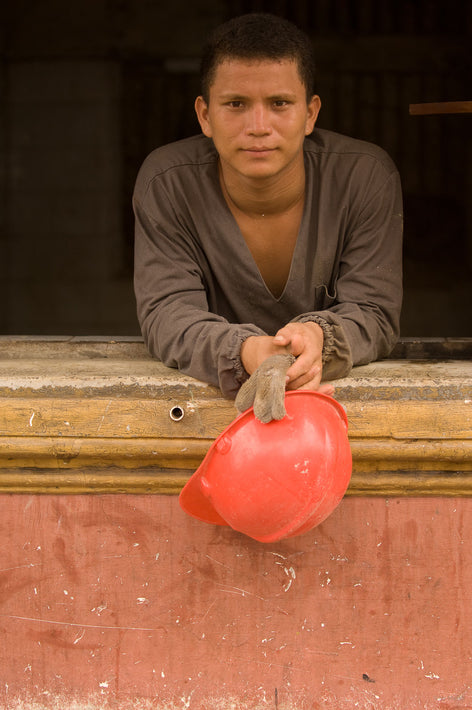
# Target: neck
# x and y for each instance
(263, 198)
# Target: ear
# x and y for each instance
(313, 109)
(201, 109)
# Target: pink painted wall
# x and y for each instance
(125, 602)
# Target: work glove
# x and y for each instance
(265, 389)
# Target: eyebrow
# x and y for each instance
(230, 96)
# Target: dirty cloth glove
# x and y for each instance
(265, 389)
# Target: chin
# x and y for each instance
(260, 171)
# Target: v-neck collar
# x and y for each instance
(299, 244)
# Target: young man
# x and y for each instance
(264, 235)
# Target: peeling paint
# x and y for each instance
(362, 700)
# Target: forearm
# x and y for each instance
(172, 307)
(200, 344)
(353, 335)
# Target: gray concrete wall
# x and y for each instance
(63, 210)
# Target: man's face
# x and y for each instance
(258, 116)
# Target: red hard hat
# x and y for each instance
(275, 480)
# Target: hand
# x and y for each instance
(265, 389)
(305, 342)
(257, 348)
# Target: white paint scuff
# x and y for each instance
(291, 574)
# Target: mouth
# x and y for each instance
(259, 151)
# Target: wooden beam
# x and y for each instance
(441, 107)
(370, 454)
(170, 482)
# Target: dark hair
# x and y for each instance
(258, 35)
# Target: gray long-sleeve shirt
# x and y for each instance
(198, 289)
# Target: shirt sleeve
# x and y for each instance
(172, 306)
(363, 322)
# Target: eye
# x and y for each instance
(280, 103)
(236, 103)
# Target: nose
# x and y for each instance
(258, 120)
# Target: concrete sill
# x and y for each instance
(98, 415)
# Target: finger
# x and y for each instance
(311, 385)
(297, 344)
(314, 386)
(303, 367)
(326, 388)
(310, 380)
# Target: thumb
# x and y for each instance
(283, 337)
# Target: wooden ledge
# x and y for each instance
(91, 415)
